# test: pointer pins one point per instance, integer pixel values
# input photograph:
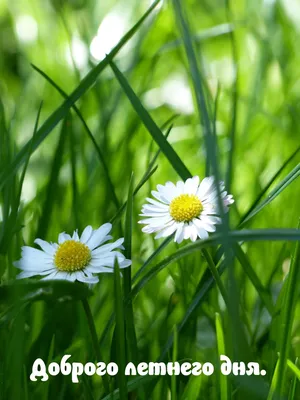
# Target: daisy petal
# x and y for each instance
(156, 203)
(99, 269)
(157, 221)
(81, 277)
(210, 220)
(154, 214)
(86, 234)
(71, 277)
(28, 273)
(124, 264)
(202, 233)
(47, 247)
(191, 185)
(193, 232)
(159, 197)
(108, 247)
(149, 229)
(186, 231)
(60, 275)
(167, 231)
(179, 233)
(62, 237)
(98, 235)
(31, 252)
(75, 236)
(180, 187)
(206, 186)
(155, 209)
(28, 264)
(50, 276)
(167, 192)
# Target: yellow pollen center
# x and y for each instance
(72, 256)
(185, 207)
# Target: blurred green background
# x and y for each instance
(247, 52)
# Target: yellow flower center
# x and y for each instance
(185, 208)
(72, 256)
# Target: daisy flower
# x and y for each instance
(190, 209)
(73, 258)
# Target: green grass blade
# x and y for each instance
(152, 257)
(49, 360)
(118, 214)
(151, 126)
(61, 111)
(5, 158)
(192, 389)
(5, 145)
(213, 32)
(233, 236)
(269, 184)
(278, 189)
(293, 367)
(197, 85)
(215, 274)
(89, 133)
(292, 391)
(249, 271)
(88, 393)
(208, 132)
(174, 359)
(11, 225)
(234, 107)
(202, 290)
(22, 292)
(94, 339)
(130, 329)
(28, 157)
(200, 293)
(132, 385)
(25, 380)
(287, 317)
(156, 155)
(74, 184)
(120, 331)
(149, 172)
(128, 236)
(223, 391)
(296, 371)
(273, 382)
(139, 272)
(52, 185)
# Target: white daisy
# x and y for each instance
(190, 209)
(73, 258)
